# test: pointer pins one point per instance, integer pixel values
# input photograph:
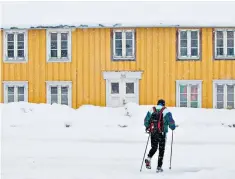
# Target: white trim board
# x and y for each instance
(122, 74)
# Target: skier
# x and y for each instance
(157, 120)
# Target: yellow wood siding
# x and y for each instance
(156, 56)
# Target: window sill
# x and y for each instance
(59, 60)
(124, 59)
(224, 58)
(188, 59)
(15, 61)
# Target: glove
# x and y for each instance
(147, 129)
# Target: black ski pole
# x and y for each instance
(171, 150)
(145, 152)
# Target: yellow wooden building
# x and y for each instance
(188, 67)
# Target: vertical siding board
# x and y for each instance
(148, 65)
(74, 69)
(154, 64)
(31, 68)
(210, 65)
(167, 81)
(161, 59)
(204, 67)
(103, 66)
(172, 86)
(80, 52)
(92, 68)
(97, 67)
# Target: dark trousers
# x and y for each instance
(157, 140)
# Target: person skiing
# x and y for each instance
(156, 121)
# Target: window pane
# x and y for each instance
(54, 90)
(20, 45)
(64, 53)
(64, 44)
(20, 37)
(220, 43)
(53, 36)
(194, 43)
(230, 34)
(129, 43)
(194, 52)
(194, 97)
(64, 36)
(230, 105)
(219, 34)
(220, 105)
(53, 44)
(114, 88)
(230, 51)
(20, 53)
(118, 52)
(183, 97)
(194, 105)
(183, 35)
(230, 97)
(230, 43)
(20, 98)
(10, 45)
(129, 52)
(53, 53)
(54, 99)
(183, 89)
(10, 37)
(230, 89)
(220, 97)
(194, 89)
(20, 90)
(64, 90)
(183, 43)
(220, 89)
(10, 53)
(118, 43)
(129, 35)
(11, 90)
(183, 104)
(220, 51)
(194, 35)
(183, 51)
(64, 99)
(118, 35)
(129, 88)
(10, 98)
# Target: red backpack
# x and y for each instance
(156, 121)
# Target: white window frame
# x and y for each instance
(124, 57)
(189, 56)
(225, 83)
(59, 84)
(15, 84)
(225, 56)
(16, 59)
(189, 82)
(59, 58)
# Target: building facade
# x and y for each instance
(188, 67)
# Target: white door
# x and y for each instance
(120, 92)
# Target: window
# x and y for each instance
(15, 46)
(15, 91)
(224, 91)
(59, 45)
(59, 92)
(123, 44)
(188, 44)
(188, 93)
(224, 43)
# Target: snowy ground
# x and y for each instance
(37, 145)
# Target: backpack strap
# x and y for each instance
(161, 120)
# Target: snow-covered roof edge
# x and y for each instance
(83, 26)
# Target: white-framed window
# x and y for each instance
(15, 91)
(59, 45)
(189, 44)
(224, 94)
(225, 43)
(189, 93)
(15, 46)
(59, 92)
(124, 44)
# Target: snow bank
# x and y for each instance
(54, 141)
